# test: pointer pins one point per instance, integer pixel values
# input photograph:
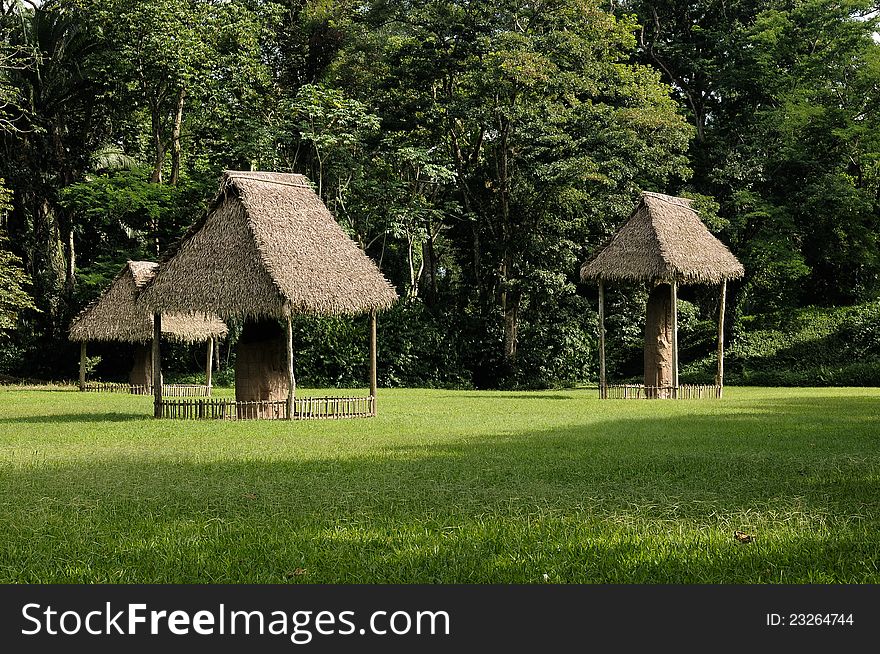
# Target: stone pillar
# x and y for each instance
(261, 369)
(141, 375)
(658, 340)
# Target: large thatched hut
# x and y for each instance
(115, 315)
(268, 248)
(663, 244)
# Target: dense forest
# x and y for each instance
(478, 151)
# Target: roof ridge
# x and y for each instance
(671, 199)
(662, 247)
(241, 175)
(260, 245)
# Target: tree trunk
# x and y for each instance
(70, 277)
(658, 341)
(429, 270)
(509, 299)
(47, 263)
(175, 138)
(511, 322)
(159, 161)
(158, 146)
(413, 291)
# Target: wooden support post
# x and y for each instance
(82, 366)
(719, 379)
(602, 386)
(209, 366)
(291, 389)
(157, 366)
(674, 338)
(373, 376)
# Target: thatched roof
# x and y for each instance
(663, 240)
(268, 247)
(116, 316)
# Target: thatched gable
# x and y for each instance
(664, 240)
(116, 316)
(268, 247)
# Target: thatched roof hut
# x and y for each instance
(268, 248)
(664, 240)
(664, 244)
(115, 315)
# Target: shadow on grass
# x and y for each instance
(55, 418)
(508, 395)
(652, 499)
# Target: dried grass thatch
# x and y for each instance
(267, 248)
(116, 316)
(664, 240)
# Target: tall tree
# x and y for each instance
(61, 124)
(783, 96)
(14, 297)
(545, 121)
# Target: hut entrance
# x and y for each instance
(261, 373)
(659, 340)
(141, 376)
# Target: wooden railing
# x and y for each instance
(170, 390)
(306, 408)
(315, 408)
(186, 390)
(640, 392)
(115, 387)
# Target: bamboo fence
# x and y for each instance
(640, 392)
(306, 408)
(170, 390)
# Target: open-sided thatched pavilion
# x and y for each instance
(116, 316)
(267, 249)
(664, 244)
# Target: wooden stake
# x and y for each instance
(291, 389)
(674, 338)
(719, 379)
(373, 378)
(157, 366)
(602, 391)
(82, 366)
(209, 366)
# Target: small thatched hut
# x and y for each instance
(116, 316)
(266, 249)
(664, 244)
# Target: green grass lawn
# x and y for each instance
(447, 486)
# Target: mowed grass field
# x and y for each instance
(447, 486)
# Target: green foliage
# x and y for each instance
(478, 152)
(812, 346)
(416, 348)
(784, 98)
(14, 297)
(122, 208)
(543, 130)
